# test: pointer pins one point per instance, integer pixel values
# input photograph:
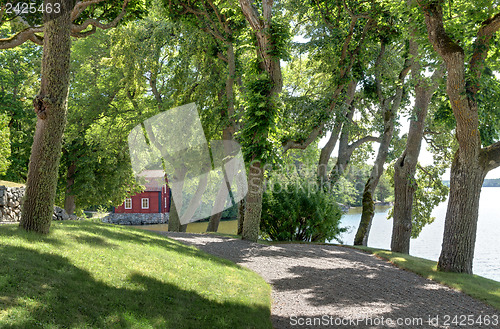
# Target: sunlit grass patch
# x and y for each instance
(90, 275)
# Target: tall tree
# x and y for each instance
(19, 74)
(406, 165)
(167, 63)
(471, 162)
(51, 103)
(50, 106)
(261, 108)
(389, 106)
(94, 168)
(347, 146)
(222, 21)
(349, 25)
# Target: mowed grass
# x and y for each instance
(91, 275)
(10, 184)
(475, 286)
(225, 227)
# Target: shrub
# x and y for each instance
(299, 211)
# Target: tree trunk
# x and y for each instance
(361, 238)
(241, 216)
(389, 108)
(219, 203)
(253, 205)
(327, 150)
(404, 190)
(471, 163)
(227, 134)
(346, 149)
(174, 224)
(345, 152)
(69, 199)
(405, 167)
(460, 226)
(270, 65)
(213, 223)
(50, 105)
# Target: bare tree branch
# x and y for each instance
(490, 156)
(76, 30)
(80, 7)
(316, 131)
(378, 72)
(84, 34)
(363, 140)
(481, 46)
(290, 144)
(21, 37)
(95, 23)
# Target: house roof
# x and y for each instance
(153, 180)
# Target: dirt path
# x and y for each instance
(318, 286)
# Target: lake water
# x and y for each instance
(427, 245)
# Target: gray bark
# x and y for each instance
(261, 25)
(253, 206)
(405, 167)
(327, 150)
(69, 198)
(50, 106)
(227, 134)
(174, 224)
(471, 163)
(389, 107)
(241, 216)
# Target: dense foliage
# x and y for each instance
(277, 76)
(349, 188)
(299, 211)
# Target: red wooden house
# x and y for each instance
(154, 199)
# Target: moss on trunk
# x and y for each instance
(361, 238)
(253, 206)
(50, 106)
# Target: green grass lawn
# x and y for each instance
(478, 287)
(10, 184)
(90, 275)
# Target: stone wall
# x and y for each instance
(10, 203)
(10, 206)
(136, 219)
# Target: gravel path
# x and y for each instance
(323, 286)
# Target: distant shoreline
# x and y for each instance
(490, 182)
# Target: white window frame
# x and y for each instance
(147, 203)
(128, 199)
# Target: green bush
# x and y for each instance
(299, 211)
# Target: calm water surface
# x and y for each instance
(427, 245)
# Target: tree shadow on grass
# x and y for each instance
(10, 230)
(113, 234)
(41, 289)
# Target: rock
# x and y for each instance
(10, 203)
(60, 214)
